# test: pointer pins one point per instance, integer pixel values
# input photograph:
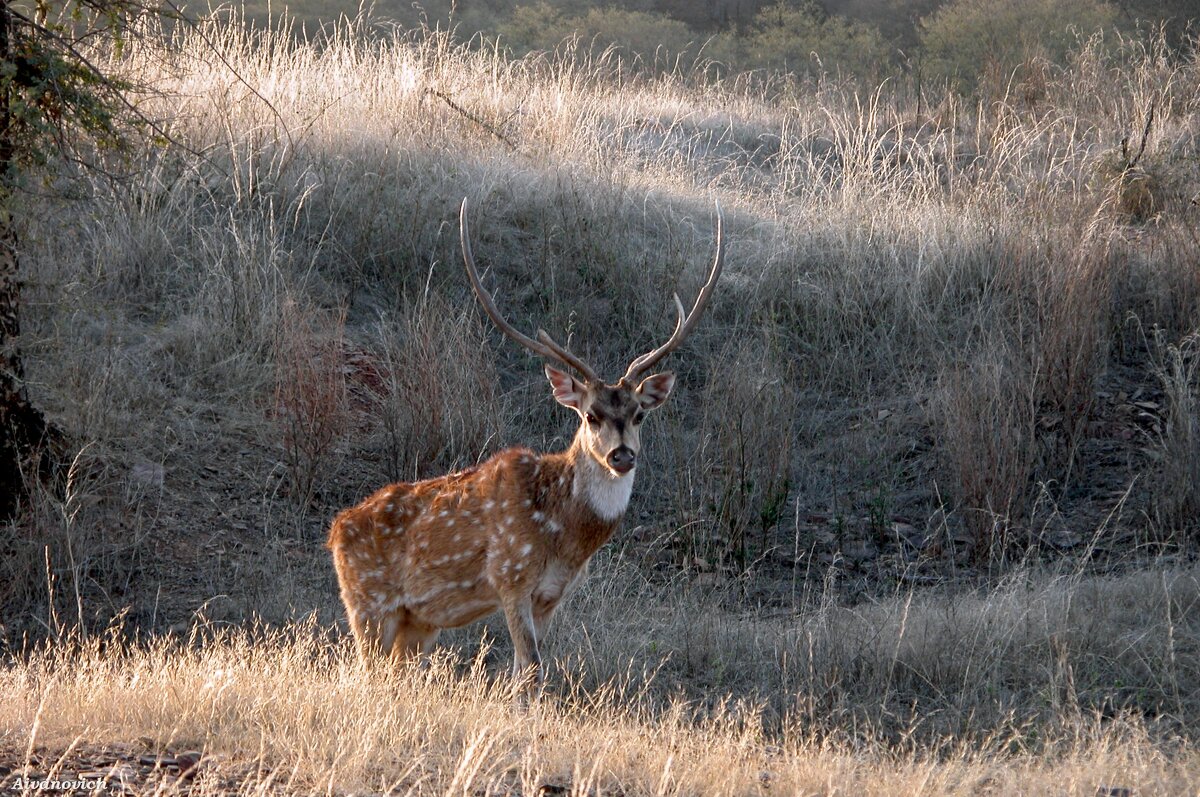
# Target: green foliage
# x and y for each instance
(52, 90)
(968, 37)
(537, 27)
(638, 33)
(802, 37)
(896, 20)
(958, 39)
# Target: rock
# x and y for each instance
(1114, 791)
(188, 761)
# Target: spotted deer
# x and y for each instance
(514, 533)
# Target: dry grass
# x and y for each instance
(1010, 693)
(927, 322)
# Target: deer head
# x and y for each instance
(610, 415)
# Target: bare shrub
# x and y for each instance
(1071, 339)
(987, 413)
(440, 400)
(741, 469)
(311, 407)
(1018, 412)
(70, 559)
(1176, 490)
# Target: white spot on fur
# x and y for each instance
(526, 548)
(553, 526)
(488, 504)
(537, 517)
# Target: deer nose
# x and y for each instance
(621, 459)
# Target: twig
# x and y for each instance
(474, 118)
(1130, 163)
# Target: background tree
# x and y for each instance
(965, 37)
(53, 98)
(800, 36)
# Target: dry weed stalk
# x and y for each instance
(311, 400)
(988, 412)
(1177, 450)
(440, 397)
(744, 455)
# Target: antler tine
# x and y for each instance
(686, 323)
(567, 356)
(544, 346)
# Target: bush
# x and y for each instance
(537, 27)
(966, 38)
(633, 33)
(803, 39)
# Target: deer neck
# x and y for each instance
(593, 485)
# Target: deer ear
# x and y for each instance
(567, 389)
(653, 390)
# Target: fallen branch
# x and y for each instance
(474, 118)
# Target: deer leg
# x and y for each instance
(543, 613)
(362, 633)
(414, 640)
(389, 630)
(543, 610)
(519, 614)
(372, 634)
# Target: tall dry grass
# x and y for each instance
(1012, 693)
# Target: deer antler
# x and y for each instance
(544, 346)
(687, 321)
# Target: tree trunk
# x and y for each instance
(24, 433)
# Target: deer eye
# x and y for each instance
(593, 419)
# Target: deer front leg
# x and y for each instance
(519, 614)
(543, 613)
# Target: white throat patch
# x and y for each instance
(607, 495)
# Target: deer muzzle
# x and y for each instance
(622, 459)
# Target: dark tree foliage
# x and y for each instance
(52, 94)
(1178, 17)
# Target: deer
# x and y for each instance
(516, 532)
